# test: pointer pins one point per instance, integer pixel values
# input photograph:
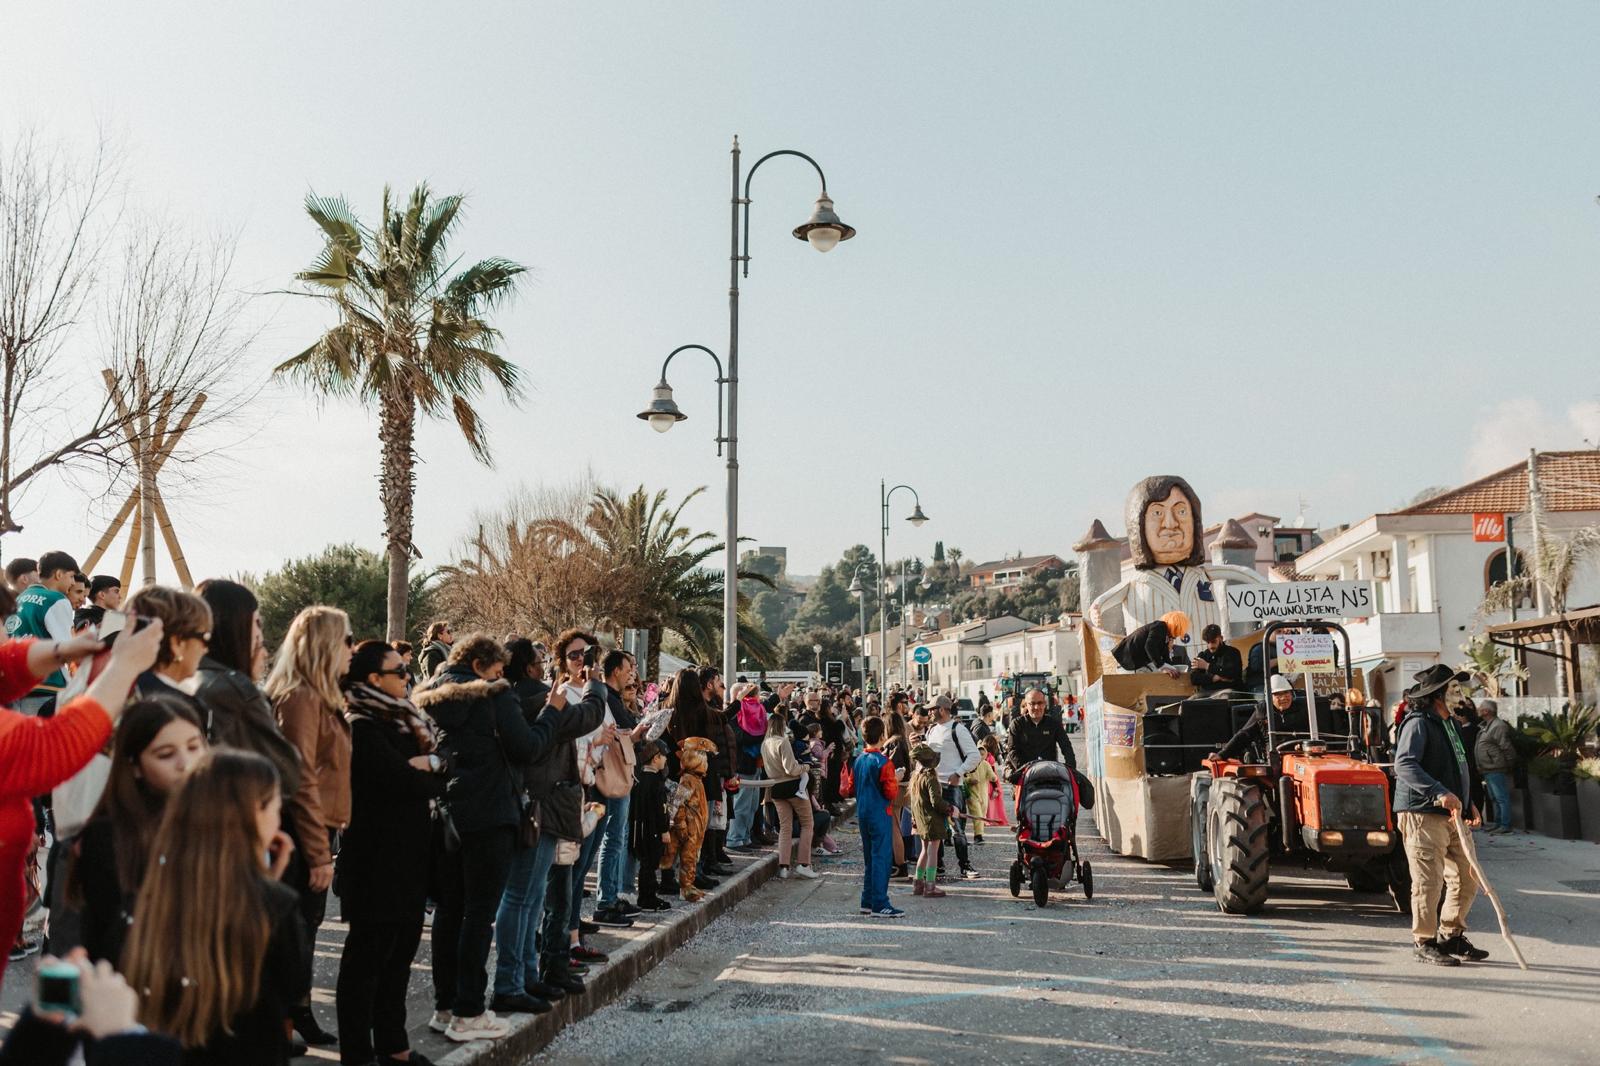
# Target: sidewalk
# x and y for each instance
(634, 952)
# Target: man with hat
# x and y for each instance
(1431, 779)
(958, 756)
(1254, 733)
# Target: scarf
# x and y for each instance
(753, 716)
(364, 701)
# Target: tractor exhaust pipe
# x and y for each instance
(1287, 822)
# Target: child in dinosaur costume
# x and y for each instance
(688, 828)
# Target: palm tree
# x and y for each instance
(661, 583)
(411, 336)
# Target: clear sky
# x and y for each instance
(1340, 252)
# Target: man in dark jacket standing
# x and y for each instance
(1431, 785)
(1036, 735)
(440, 639)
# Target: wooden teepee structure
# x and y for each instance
(151, 442)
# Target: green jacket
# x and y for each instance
(34, 605)
(929, 810)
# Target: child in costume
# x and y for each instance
(996, 814)
(688, 829)
(931, 814)
(648, 822)
(979, 783)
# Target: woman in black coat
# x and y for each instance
(383, 867)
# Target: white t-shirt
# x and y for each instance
(943, 738)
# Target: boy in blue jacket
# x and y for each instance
(875, 787)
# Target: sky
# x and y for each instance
(1292, 252)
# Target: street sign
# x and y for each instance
(1489, 527)
(1285, 601)
(1305, 653)
(922, 655)
(835, 674)
(856, 665)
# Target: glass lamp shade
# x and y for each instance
(823, 229)
(823, 238)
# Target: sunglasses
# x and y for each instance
(398, 671)
(204, 638)
(574, 654)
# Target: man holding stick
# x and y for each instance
(1431, 778)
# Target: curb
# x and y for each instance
(531, 1033)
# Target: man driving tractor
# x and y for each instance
(1254, 733)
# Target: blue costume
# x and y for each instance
(875, 786)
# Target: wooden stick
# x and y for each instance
(1494, 897)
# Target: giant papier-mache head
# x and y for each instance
(1164, 526)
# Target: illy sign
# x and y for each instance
(1490, 527)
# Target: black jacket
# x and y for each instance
(242, 717)
(259, 1037)
(1425, 764)
(647, 813)
(431, 661)
(1227, 668)
(383, 866)
(1147, 646)
(482, 735)
(1031, 742)
(33, 1041)
(551, 777)
(107, 905)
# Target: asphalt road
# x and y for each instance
(1147, 971)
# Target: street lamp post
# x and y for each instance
(916, 518)
(816, 649)
(858, 590)
(823, 230)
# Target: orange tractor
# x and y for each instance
(1310, 794)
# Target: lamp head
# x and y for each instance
(917, 517)
(823, 229)
(856, 588)
(663, 412)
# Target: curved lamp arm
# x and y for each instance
(744, 255)
(722, 382)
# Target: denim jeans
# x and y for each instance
(580, 870)
(613, 854)
(516, 926)
(1498, 783)
(745, 803)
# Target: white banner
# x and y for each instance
(1289, 601)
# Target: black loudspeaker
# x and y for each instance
(1240, 711)
(1205, 726)
(1163, 751)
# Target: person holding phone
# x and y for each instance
(37, 754)
(78, 1002)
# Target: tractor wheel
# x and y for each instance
(1373, 877)
(1398, 872)
(1087, 877)
(1016, 878)
(1041, 886)
(1238, 846)
(1199, 802)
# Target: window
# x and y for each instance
(1494, 572)
(1285, 547)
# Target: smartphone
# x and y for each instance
(590, 654)
(58, 991)
(115, 622)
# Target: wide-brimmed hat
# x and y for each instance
(1432, 680)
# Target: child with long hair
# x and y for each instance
(217, 950)
(156, 744)
(996, 814)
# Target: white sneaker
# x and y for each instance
(783, 873)
(806, 872)
(440, 1021)
(484, 1027)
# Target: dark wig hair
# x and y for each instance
(1154, 490)
(367, 659)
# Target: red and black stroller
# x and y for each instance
(1047, 833)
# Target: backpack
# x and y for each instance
(613, 778)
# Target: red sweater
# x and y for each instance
(37, 754)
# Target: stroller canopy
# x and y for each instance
(1047, 774)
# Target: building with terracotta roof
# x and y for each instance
(1003, 573)
(1432, 563)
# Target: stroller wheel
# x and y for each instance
(1087, 877)
(1016, 878)
(1041, 886)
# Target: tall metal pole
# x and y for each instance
(905, 667)
(883, 571)
(730, 573)
(863, 611)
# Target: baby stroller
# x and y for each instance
(1047, 834)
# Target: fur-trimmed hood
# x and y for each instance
(449, 687)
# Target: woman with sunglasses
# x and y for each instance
(384, 859)
(186, 634)
(304, 690)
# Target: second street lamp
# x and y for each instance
(916, 518)
(858, 590)
(823, 230)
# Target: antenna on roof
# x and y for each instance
(1300, 519)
